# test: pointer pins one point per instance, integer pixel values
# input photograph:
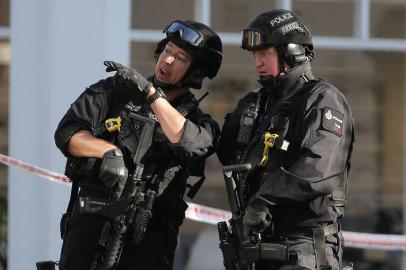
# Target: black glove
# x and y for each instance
(128, 77)
(113, 171)
(256, 218)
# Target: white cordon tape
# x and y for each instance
(351, 239)
(211, 215)
(50, 175)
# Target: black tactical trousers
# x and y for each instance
(155, 252)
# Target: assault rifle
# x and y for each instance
(135, 202)
(240, 250)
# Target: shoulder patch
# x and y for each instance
(332, 121)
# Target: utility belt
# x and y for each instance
(267, 251)
(318, 234)
(327, 229)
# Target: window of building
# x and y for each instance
(327, 18)
(227, 15)
(150, 15)
(388, 19)
(4, 13)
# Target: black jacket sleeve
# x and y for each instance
(321, 166)
(88, 110)
(200, 135)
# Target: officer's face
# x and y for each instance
(266, 62)
(172, 65)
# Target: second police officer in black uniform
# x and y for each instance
(183, 139)
(297, 133)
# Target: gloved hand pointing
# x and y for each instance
(257, 218)
(128, 77)
(113, 171)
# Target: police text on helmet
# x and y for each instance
(281, 18)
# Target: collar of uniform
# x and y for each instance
(289, 80)
(302, 72)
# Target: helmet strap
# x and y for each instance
(194, 76)
(163, 86)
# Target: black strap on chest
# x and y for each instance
(248, 119)
(302, 84)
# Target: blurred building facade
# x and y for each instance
(360, 47)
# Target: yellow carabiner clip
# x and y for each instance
(269, 141)
(113, 124)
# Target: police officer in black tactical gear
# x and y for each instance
(99, 166)
(297, 132)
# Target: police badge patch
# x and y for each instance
(332, 121)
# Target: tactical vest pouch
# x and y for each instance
(337, 200)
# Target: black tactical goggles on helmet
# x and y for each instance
(252, 39)
(186, 32)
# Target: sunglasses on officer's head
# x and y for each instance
(186, 33)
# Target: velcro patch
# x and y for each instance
(332, 121)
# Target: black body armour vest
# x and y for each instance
(279, 118)
(284, 117)
(160, 156)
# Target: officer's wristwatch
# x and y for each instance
(158, 94)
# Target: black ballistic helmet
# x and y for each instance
(281, 29)
(202, 43)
